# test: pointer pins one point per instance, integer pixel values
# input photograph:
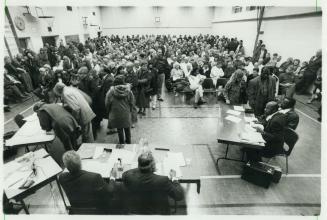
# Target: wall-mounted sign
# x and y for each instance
(20, 23)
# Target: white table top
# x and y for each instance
(18, 170)
(30, 133)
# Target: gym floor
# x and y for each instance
(176, 122)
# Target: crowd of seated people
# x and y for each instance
(118, 78)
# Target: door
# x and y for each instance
(50, 40)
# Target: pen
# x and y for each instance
(15, 182)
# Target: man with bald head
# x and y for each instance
(272, 132)
(148, 192)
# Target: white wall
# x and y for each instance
(141, 20)
(65, 23)
(294, 37)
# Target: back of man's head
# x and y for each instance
(72, 161)
(271, 108)
(146, 163)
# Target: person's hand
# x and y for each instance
(172, 174)
(50, 132)
(227, 102)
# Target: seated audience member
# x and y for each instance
(46, 84)
(229, 70)
(79, 103)
(234, 87)
(287, 108)
(310, 74)
(11, 91)
(205, 70)
(57, 118)
(176, 73)
(249, 66)
(120, 104)
(86, 189)
(261, 90)
(284, 65)
(287, 80)
(296, 66)
(196, 85)
(216, 72)
(148, 192)
(272, 132)
(316, 93)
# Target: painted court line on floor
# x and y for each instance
(307, 116)
(239, 176)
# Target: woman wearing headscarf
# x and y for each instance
(57, 118)
(79, 103)
(142, 99)
(234, 87)
(119, 104)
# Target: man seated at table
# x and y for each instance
(287, 108)
(272, 132)
(147, 192)
(86, 189)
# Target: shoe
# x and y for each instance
(143, 113)
(133, 126)
(153, 108)
(160, 99)
(195, 106)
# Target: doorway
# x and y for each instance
(51, 40)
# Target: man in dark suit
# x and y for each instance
(272, 132)
(147, 192)
(287, 108)
(86, 189)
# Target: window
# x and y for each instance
(251, 8)
(69, 8)
(93, 13)
(236, 9)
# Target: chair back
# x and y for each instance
(290, 137)
(208, 84)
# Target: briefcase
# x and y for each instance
(258, 174)
(277, 172)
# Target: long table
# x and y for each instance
(19, 170)
(189, 173)
(30, 133)
(231, 133)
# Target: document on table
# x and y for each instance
(86, 153)
(233, 118)
(31, 117)
(97, 153)
(97, 167)
(239, 108)
(165, 167)
(237, 113)
(125, 155)
(178, 157)
(252, 137)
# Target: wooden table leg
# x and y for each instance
(198, 186)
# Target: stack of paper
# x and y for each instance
(238, 108)
(86, 153)
(233, 118)
(237, 113)
(249, 119)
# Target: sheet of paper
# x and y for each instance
(97, 167)
(16, 179)
(233, 118)
(86, 153)
(178, 157)
(31, 117)
(98, 152)
(252, 137)
(250, 128)
(232, 112)
(238, 108)
(249, 119)
(125, 155)
(169, 164)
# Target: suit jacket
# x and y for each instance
(86, 189)
(274, 135)
(292, 119)
(148, 192)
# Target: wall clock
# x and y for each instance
(20, 23)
